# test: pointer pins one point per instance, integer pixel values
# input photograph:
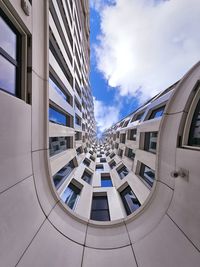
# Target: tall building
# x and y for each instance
(131, 199)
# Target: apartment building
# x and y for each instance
(131, 199)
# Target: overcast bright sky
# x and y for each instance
(139, 48)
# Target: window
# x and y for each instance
(122, 171)
(100, 209)
(86, 162)
(194, 135)
(122, 138)
(107, 154)
(147, 174)
(120, 153)
(126, 123)
(132, 134)
(63, 173)
(112, 164)
(92, 158)
(116, 145)
(106, 180)
(10, 50)
(78, 136)
(112, 155)
(150, 142)
(77, 120)
(129, 153)
(137, 117)
(99, 156)
(79, 150)
(130, 201)
(157, 113)
(102, 160)
(99, 167)
(87, 177)
(71, 195)
(59, 144)
(58, 117)
(54, 84)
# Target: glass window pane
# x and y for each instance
(100, 202)
(7, 76)
(57, 117)
(100, 215)
(194, 136)
(8, 39)
(57, 89)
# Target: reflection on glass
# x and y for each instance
(194, 136)
(70, 196)
(7, 76)
(130, 201)
(57, 117)
(8, 39)
(57, 89)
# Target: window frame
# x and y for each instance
(21, 50)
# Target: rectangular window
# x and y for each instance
(147, 174)
(78, 136)
(79, 150)
(106, 180)
(150, 143)
(71, 195)
(112, 155)
(92, 158)
(156, 113)
(77, 120)
(100, 209)
(194, 135)
(132, 134)
(10, 59)
(63, 173)
(126, 123)
(99, 156)
(122, 171)
(120, 153)
(112, 164)
(59, 144)
(87, 176)
(130, 201)
(86, 162)
(54, 84)
(122, 138)
(103, 160)
(99, 167)
(129, 153)
(59, 117)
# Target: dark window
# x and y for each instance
(102, 160)
(99, 156)
(126, 123)
(116, 145)
(100, 209)
(132, 134)
(78, 136)
(112, 155)
(58, 117)
(147, 174)
(87, 177)
(59, 144)
(150, 142)
(107, 154)
(129, 153)
(120, 153)
(77, 120)
(112, 164)
(10, 57)
(92, 158)
(70, 195)
(87, 162)
(106, 180)
(137, 117)
(122, 138)
(130, 201)
(123, 171)
(63, 173)
(194, 135)
(79, 150)
(157, 113)
(99, 167)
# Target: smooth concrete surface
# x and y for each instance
(36, 230)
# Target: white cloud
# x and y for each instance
(105, 116)
(147, 45)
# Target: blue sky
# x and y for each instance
(139, 48)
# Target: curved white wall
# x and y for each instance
(35, 229)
